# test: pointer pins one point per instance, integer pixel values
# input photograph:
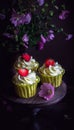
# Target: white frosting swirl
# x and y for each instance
(30, 79)
(31, 63)
(55, 70)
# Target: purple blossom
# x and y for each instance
(51, 31)
(43, 39)
(40, 2)
(21, 19)
(18, 19)
(47, 91)
(25, 45)
(25, 39)
(50, 35)
(19, 25)
(15, 18)
(41, 42)
(27, 18)
(2, 16)
(64, 14)
(69, 36)
(24, 19)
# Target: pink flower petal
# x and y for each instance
(46, 91)
(69, 36)
(64, 14)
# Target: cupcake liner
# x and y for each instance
(54, 80)
(26, 90)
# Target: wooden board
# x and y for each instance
(37, 101)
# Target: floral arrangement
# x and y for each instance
(31, 23)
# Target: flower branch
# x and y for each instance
(30, 23)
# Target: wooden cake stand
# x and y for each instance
(36, 101)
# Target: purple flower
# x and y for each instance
(43, 39)
(25, 39)
(64, 14)
(41, 2)
(27, 18)
(50, 35)
(41, 42)
(47, 91)
(2, 16)
(20, 19)
(69, 36)
(51, 31)
(15, 18)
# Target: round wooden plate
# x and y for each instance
(37, 101)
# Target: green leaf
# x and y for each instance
(17, 48)
(16, 38)
(60, 30)
(46, 5)
(43, 10)
(51, 13)
(53, 1)
(52, 25)
(63, 6)
(21, 43)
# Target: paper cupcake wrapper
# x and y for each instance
(26, 91)
(55, 80)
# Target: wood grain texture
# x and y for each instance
(37, 101)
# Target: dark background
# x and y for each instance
(55, 117)
(58, 49)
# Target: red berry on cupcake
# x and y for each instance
(49, 62)
(26, 57)
(23, 72)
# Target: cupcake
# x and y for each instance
(51, 72)
(26, 61)
(25, 82)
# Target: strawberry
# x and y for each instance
(26, 57)
(49, 62)
(23, 72)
